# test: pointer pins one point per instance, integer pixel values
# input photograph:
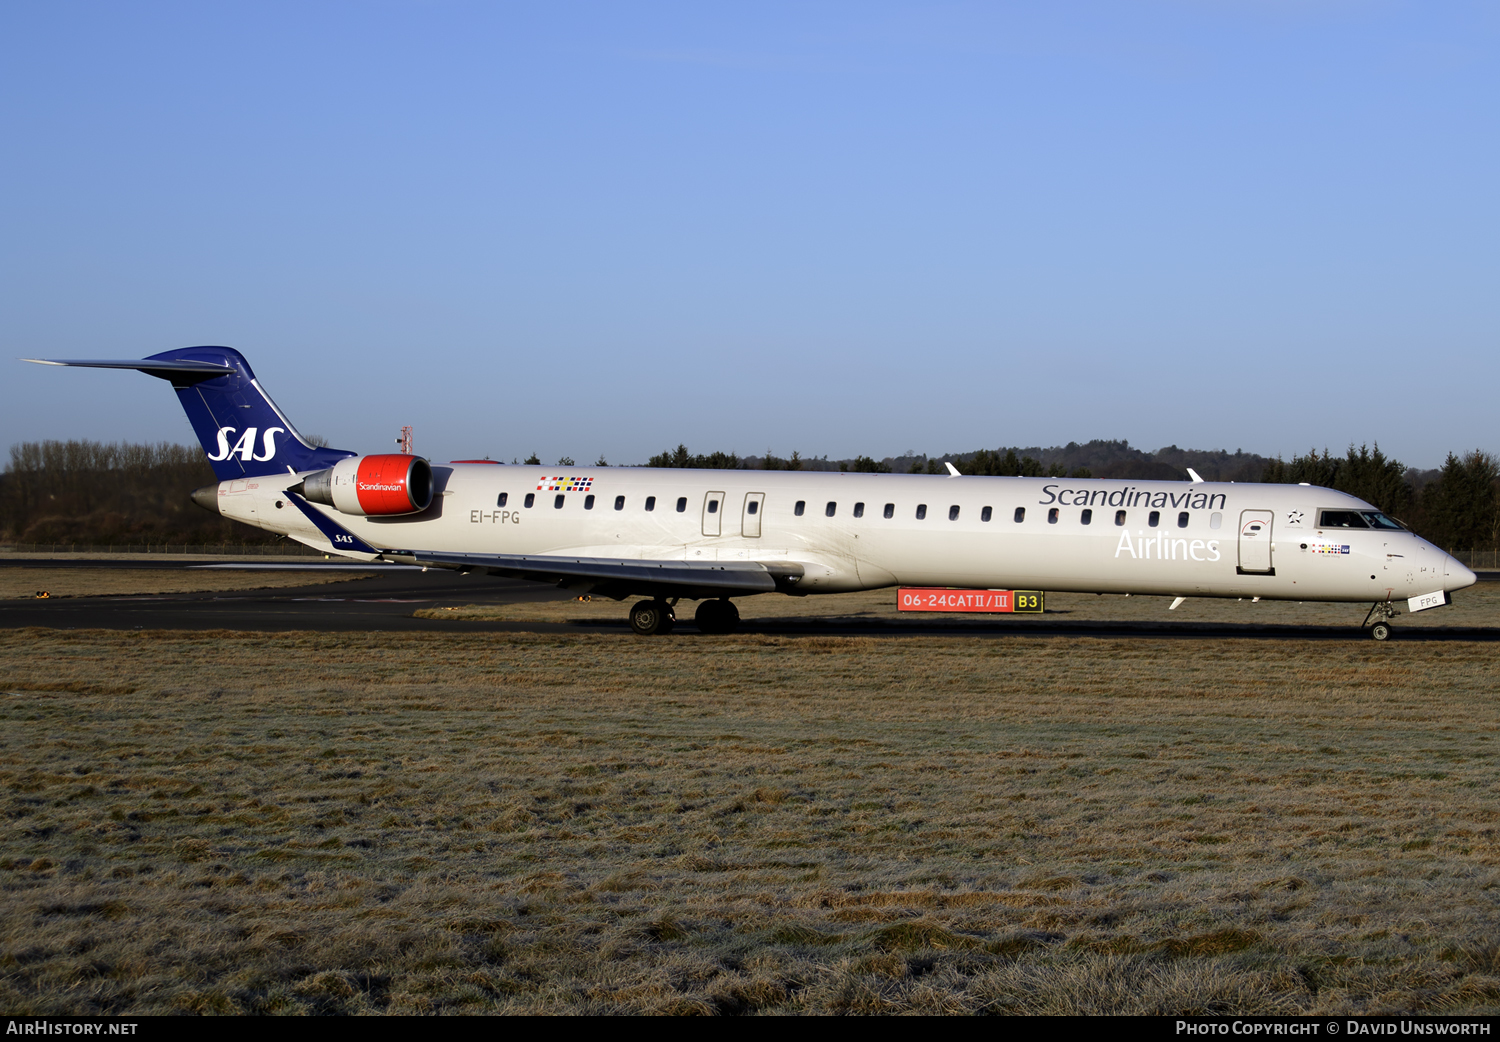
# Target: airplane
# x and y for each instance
(667, 535)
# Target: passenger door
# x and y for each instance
(1255, 542)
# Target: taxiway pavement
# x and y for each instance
(387, 600)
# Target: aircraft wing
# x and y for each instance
(620, 577)
(607, 576)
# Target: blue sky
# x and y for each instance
(852, 228)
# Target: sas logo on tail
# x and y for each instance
(244, 448)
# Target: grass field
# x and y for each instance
(1478, 606)
(27, 583)
(221, 822)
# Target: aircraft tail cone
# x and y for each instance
(207, 497)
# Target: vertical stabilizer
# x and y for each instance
(242, 431)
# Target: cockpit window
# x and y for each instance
(1379, 520)
(1341, 519)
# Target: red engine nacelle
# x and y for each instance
(381, 485)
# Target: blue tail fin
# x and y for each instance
(243, 432)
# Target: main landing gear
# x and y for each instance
(1382, 612)
(717, 617)
(649, 617)
(657, 616)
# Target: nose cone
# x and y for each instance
(207, 497)
(1456, 575)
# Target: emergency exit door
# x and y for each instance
(713, 513)
(755, 504)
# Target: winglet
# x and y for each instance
(952, 470)
(339, 536)
(1194, 475)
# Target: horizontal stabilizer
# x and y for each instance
(145, 365)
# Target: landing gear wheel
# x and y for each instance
(649, 617)
(717, 617)
(1382, 612)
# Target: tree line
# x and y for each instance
(981, 462)
(1097, 458)
(95, 492)
(98, 492)
(1458, 508)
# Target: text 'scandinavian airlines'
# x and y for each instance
(711, 535)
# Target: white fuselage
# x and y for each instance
(1208, 539)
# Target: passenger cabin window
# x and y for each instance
(619, 502)
(800, 507)
(588, 502)
(681, 504)
(557, 501)
(530, 499)
(1052, 516)
(1215, 520)
(859, 510)
(1087, 517)
(1182, 519)
(953, 512)
(713, 506)
(1119, 518)
(650, 502)
(503, 497)
(1154, 518)
(890, 510)
(1020, 514)
(986, 514)
(921, 511)
(752, 507)
(830, 509)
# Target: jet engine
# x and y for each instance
(382, 485)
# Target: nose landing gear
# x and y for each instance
(1382, 612)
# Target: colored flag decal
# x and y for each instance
(1329, 548)
(562, 484)
(933, 599)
